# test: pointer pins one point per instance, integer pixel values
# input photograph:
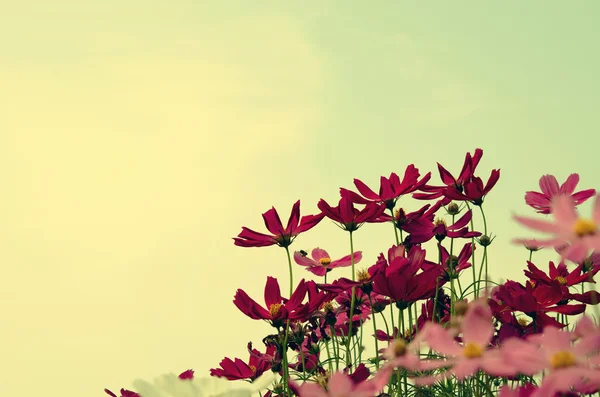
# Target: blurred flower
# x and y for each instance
(542, 202)
(582, 234)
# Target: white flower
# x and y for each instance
(170, 385)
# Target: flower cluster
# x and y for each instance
(443, 326)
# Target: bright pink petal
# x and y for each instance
(477, 326)
(549, 185)
(339, 384)
(570, 184)
(536, 224)
(365, 190)
(319, 253)
(272, 292)
(308, 222)
(583, 196)
(347, 260)
(465, 367)
(303, 260)
(272, 221)
(293, 219)
(310, 389)
(440, 340)
(555, 340)
(596, 211)
(564, 210)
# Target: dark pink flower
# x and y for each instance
(452, 184)
(350, 218)
(390, 189)
(189, 374)
(542, 202)
(279, 235)
(238, 369)
(321, 262)
(124, 393)
(277, 308)
(423, 230)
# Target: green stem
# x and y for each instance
(375, 333)
(348, 356)
(287, 251)
(395, 229)
(475, 283)
(485, 247)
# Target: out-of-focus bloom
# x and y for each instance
(321, 262)
(277, 309)
(348, 217)
(582, 234)
(542, 202)
(567, 365)
(390, 189)
(170, 385)
(467, 358)
(342, 385)
(279, 235)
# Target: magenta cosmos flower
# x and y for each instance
(582, 234)
(321, 262)
(237, 369)
(390, 189)
(542, 202)
(277, 309)
(124, 393)
(451, 183)
(349, 217)
(279, 235)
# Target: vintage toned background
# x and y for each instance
(137, 137)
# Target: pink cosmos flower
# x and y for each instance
(279, 235)
(542, 202)
(582, 234)
(321, 262)
(567, 364)
(467, 358)
(342, 385)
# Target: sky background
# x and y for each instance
(137, 138)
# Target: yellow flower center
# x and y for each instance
(399, 347)
(561, 280)
(252, 368)
(472, 350)
(322, 379)
(274, 309)
(327, 306)
(439, 221)
(562, 359)
(522, 322)
(584, 227)
(363, 275)
(325, 261)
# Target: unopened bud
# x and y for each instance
(453, 208)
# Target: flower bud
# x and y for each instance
(485, 240)
(453, 208)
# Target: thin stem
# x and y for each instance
(287, 251)
(473, 256)
(375, 333)
(395, 229)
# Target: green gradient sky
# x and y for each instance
(136, 139)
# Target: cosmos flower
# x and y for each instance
(279, 235)
(542, 202)
(321, 262)
(581, 234)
